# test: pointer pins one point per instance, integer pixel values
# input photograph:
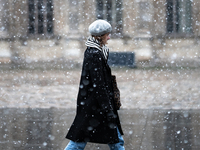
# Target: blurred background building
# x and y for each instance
(159, 32)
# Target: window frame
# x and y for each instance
(40, 19)
(112, 11)
(176, 22)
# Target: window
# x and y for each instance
(179, 16)
(40, 17)
(111, 10)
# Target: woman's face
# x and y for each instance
(106, 37)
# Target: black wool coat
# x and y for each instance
(96, 117)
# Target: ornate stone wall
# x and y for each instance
(144, 32)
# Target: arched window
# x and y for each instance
(111, 10)
(40, 17)
(179, 16)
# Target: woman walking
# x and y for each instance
(96, 117)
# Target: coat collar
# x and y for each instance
(92, 42)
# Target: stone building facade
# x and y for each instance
(159, 32)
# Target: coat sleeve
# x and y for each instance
(99, 83)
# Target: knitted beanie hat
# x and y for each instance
(100, 27)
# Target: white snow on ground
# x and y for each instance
(140, 88)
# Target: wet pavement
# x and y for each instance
(144, 129)
(160, 108)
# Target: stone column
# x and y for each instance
(74, 18)
(4, 30)
(60, 13)
(144, 26)
(3, 19)
(88, 15)
(159, 18)
(129, 18)
(21, 18)
(75, 15)
(159, 28)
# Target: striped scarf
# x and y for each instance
(92, 42)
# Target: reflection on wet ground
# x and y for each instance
(145, 129)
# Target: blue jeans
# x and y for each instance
(81, 145)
